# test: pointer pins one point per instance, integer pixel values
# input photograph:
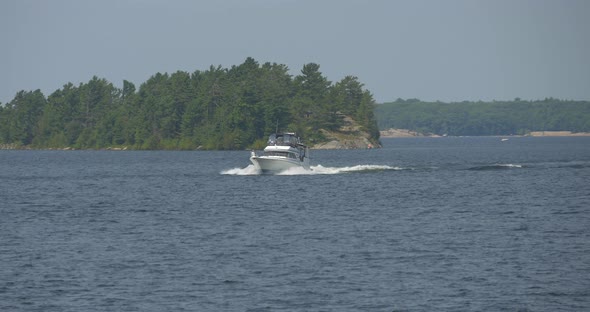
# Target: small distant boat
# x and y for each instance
(504, 140)
(283, 151)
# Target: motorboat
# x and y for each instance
(283, 152)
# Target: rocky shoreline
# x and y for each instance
(13, 146)
(557, 133)
(349, 136)
(405, 133)
(352, 143)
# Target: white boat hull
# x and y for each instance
(271, 164)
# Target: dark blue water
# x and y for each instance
(448, 224)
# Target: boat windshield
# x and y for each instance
(272, 139)
(283, 139)
(281, 154)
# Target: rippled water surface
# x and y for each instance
(443, 224)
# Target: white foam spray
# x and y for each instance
(510, 165)
(319, 169)
(250, 170)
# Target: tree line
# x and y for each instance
(485, 118)
(218, 108)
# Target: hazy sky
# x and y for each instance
(450, 50)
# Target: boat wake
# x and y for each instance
(496, 167)
(319, 169)
(314, 170)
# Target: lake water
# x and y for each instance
(423, 224)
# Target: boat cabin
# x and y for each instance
(283, 151)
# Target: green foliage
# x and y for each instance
(20, 117)
(485, 118)
(219, 108)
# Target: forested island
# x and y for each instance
(238, 107)
(215, 109)
(516, 117)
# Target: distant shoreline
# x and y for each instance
(346, 144)
(405, 133)
(557, 133)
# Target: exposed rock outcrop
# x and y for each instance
(404, 133)
(349, 136)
